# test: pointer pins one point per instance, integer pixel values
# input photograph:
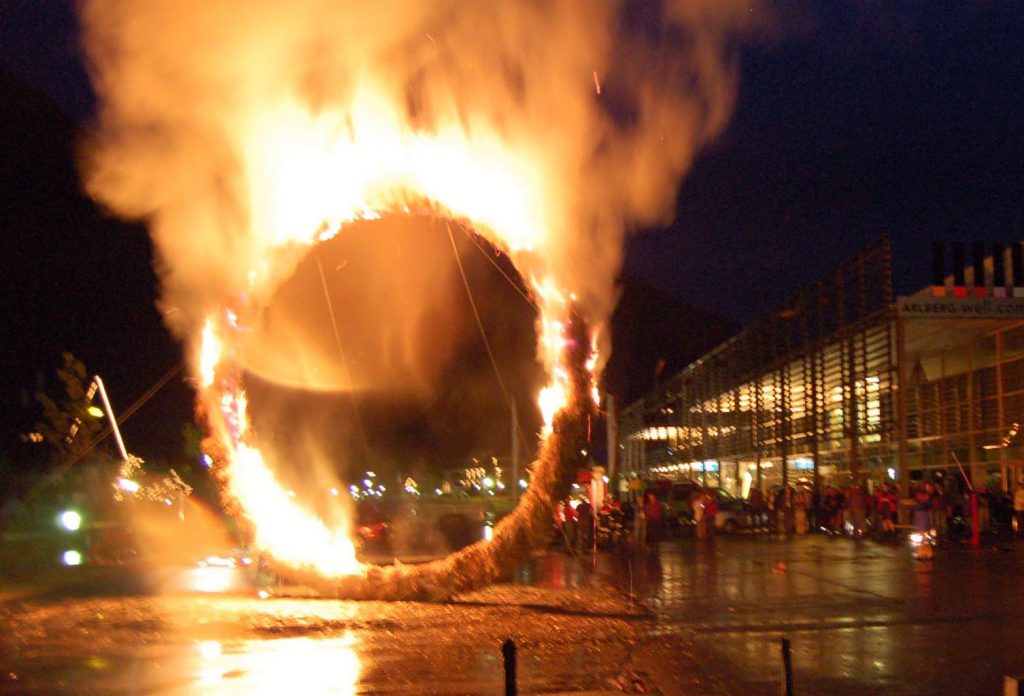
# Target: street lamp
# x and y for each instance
(70, 520)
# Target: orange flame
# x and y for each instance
(246, 133)
(309, 176)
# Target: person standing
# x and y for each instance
(828, 509)
(894, 508)
(1019, 508)
(570, 524)
(921, 518)
(784, 510)
(920, 511)
(984, 510)
(939, 509)
(858, 508)
(884, 506)
(711, 511)
(639, 526)
(585, 525)
(699, 516)
(801, 502)
(652, 509)
(758, 508)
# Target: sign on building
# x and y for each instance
(960, 307)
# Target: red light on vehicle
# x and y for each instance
(371, 532)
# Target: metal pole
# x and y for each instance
(110, 415)
(977, 474)
(787, 668)
(853, 408)
(1004, 469)
(757, 430)
(975, 522)
(612, 429)
(780, 423)
(812, 408)
(508, 652)
(515, 451)
(902, 395)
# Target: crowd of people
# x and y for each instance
(637, 523)
(614, 523)
(882, 512)
(852, 509)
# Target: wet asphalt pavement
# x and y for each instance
(686, 617)
(862, 617)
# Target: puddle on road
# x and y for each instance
(568, 639)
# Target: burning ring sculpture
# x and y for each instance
(302, 546)
(245, 133)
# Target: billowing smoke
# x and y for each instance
(182, 83)
(245, 132)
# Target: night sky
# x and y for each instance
(865, 119)
(853, 120)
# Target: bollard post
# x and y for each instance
(787, 669)
(508, 651)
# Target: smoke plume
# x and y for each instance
(608, 101)
(246, 132)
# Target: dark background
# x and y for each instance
(854, 120)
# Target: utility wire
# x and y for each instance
(513, 283)
(515, 286)
(483, 334)
(476, 315)
(341, 354)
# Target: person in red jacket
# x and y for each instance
(652, 511)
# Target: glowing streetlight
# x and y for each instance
(71, 558)
(70, 520)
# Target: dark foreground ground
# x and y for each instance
(685, 618)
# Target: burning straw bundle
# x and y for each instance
(528, 527)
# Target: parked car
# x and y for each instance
(733, 514)
(677, 508)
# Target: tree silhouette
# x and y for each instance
(66, 424)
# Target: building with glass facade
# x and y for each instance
(848, 383)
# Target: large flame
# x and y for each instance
(248, 132)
